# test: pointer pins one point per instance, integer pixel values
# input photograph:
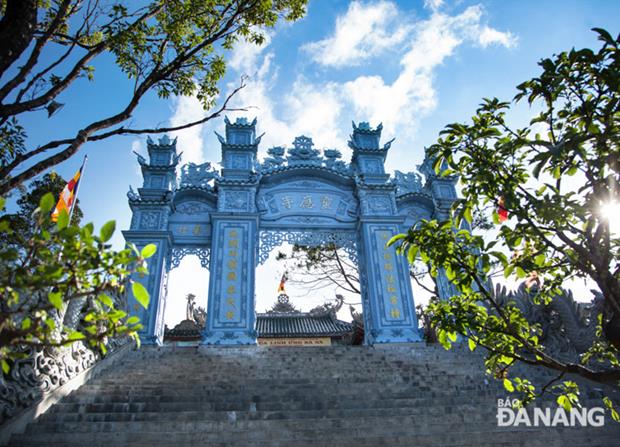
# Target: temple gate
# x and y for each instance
(233, 218)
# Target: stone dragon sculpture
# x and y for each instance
(568, 327)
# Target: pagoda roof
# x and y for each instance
(300, 324)
(277, 325)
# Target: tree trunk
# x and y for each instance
(16, 30)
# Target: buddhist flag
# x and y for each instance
(502, 212)
(68, 196)
(282, 282)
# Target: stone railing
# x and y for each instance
(44, 376)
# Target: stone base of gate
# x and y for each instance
(151, 340)
(230, 337)
(405, 335)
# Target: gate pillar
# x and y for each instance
(151, 207)
(386, 289)
(230, 311)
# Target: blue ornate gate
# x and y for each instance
(233, 218)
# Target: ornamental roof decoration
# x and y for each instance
(241, 133)
(132, 195)
(406, 183)
(365, 138)
(158, 162)
(194, 175)
(275, 158)
(141, 160)
(163, 142)
(303, 153)
(162, 155)
(241, 122)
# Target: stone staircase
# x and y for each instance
(399, 395)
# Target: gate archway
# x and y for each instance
(233, 218)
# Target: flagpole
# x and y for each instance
(77, 188)
(74, 306)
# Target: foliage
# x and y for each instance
(323, 266)
(59, 269)
(169, 47)
(555, 176)
(22, 222)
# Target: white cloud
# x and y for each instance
(190, 141)
(315, 111)
(362, 32)
(244, 57)
(489, 36)
(400, 104)
(323, 109)
(433, 4)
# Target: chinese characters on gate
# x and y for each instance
(232, 275)
(389, 271)
(307, 202)
(183, 230)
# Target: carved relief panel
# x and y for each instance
(307, 202)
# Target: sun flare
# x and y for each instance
(611, 212)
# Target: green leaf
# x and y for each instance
(26, 323)
(46, 203)
(76, 335)
(55, 298)
(614, 414)
(148, 251)
(63, 219)
(539, 260)
(508, 385)
(501, 257)
(133, 320)
(442, 337)
(105, 299)
(604, 36)
(541, 164)
(395, 238)
(467, 215)
(472, 344)
(107, 230)
(412, 253)
(5, 366)
(495, 218)
(564, 402)
(140, 294)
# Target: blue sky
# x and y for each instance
(414, 65)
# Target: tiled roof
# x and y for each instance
(271, 325)
(299, 325)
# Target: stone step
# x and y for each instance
(265, 394)
(298, 397)
(431, 412)
(307, 403)
(307, 438)
(372, 426)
